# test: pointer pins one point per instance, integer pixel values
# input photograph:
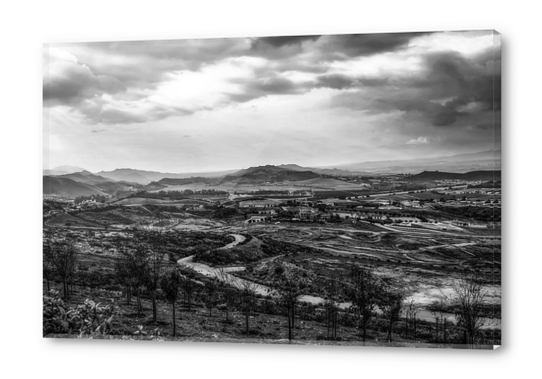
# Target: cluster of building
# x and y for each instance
(374, 209)
(306, 209)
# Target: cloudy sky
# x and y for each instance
(213, 104)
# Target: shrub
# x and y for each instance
(87, 320)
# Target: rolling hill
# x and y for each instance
(166, 183)
(268, 174)
(181, 181)
(86, 177)
(326, 183)
(68, 188)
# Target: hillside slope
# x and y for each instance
(269, 173)
(68, 188)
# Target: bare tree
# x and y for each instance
(363, 290)
(170, 283)
(63, 258)
(123, 272)
(48, 268)
(210, 290)
(332, 310)
(247, 300)
(155, 269)
(288, 293)
(438, 311)
(228, 291)
(138, 266)
(411, 312)
(189, 287)
(467, 301)
(391, 304)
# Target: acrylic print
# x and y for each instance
(319, 190)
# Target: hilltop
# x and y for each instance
(268, 173)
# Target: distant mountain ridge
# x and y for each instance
(461, 163)
(86, 177)
(72, 181)
(63, 170)
(146, 177)
(322, 171)
(473, 176)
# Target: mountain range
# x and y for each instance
(72, 181)
(146, 177)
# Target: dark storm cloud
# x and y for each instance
(112, 68)
(440, 93)
(202, 50)
(331, 47)
(282, 41)
(485, 126)
(271, 85)
(147, 61)
(131, 72)
(374, 82)
(490, 94)
(69, 83)
(74, 84)
(128, 69)
(448, 113)
(356, 45)
(98, 110)
(281, 48)
(336, 81)
(464, 81)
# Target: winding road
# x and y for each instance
(223, 275)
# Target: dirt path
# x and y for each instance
(223, 274)
(238, 239)
(450, 245)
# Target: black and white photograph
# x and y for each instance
(319, 189)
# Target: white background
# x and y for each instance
(26, 25)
